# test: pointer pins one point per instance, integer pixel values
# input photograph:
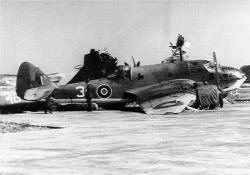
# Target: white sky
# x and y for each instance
(54, 35)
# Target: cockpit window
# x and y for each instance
(124, 71)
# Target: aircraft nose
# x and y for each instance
(239, 75)
(237, 78)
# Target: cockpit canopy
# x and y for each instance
(123, 71)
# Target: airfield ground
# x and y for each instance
(115, 142)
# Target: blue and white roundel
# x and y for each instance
(104, 91)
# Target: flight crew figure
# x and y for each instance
(89, 94)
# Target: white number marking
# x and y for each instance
(82, 94)
(10, 97)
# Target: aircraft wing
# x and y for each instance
(165, 97)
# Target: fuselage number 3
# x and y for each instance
(81, 92)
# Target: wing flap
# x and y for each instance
(172, 104)
(166, 97)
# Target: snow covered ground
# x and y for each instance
(115, 142)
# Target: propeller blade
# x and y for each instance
(216, 71)
(214, 57)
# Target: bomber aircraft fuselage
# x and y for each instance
(128, 77)
(155, 88)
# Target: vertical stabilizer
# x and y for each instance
(32, 83)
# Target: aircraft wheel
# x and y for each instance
(94, 106)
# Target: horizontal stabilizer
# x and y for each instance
(38, 93)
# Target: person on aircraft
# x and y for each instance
(180, 41)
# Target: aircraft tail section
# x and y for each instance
(32, 83)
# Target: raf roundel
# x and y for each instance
(104, 91)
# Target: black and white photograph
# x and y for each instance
(130, 87)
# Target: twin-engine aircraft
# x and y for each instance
(158, 89)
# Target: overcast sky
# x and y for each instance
(54, 35)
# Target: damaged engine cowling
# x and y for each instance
(96, 65)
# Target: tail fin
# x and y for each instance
(32, 83)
